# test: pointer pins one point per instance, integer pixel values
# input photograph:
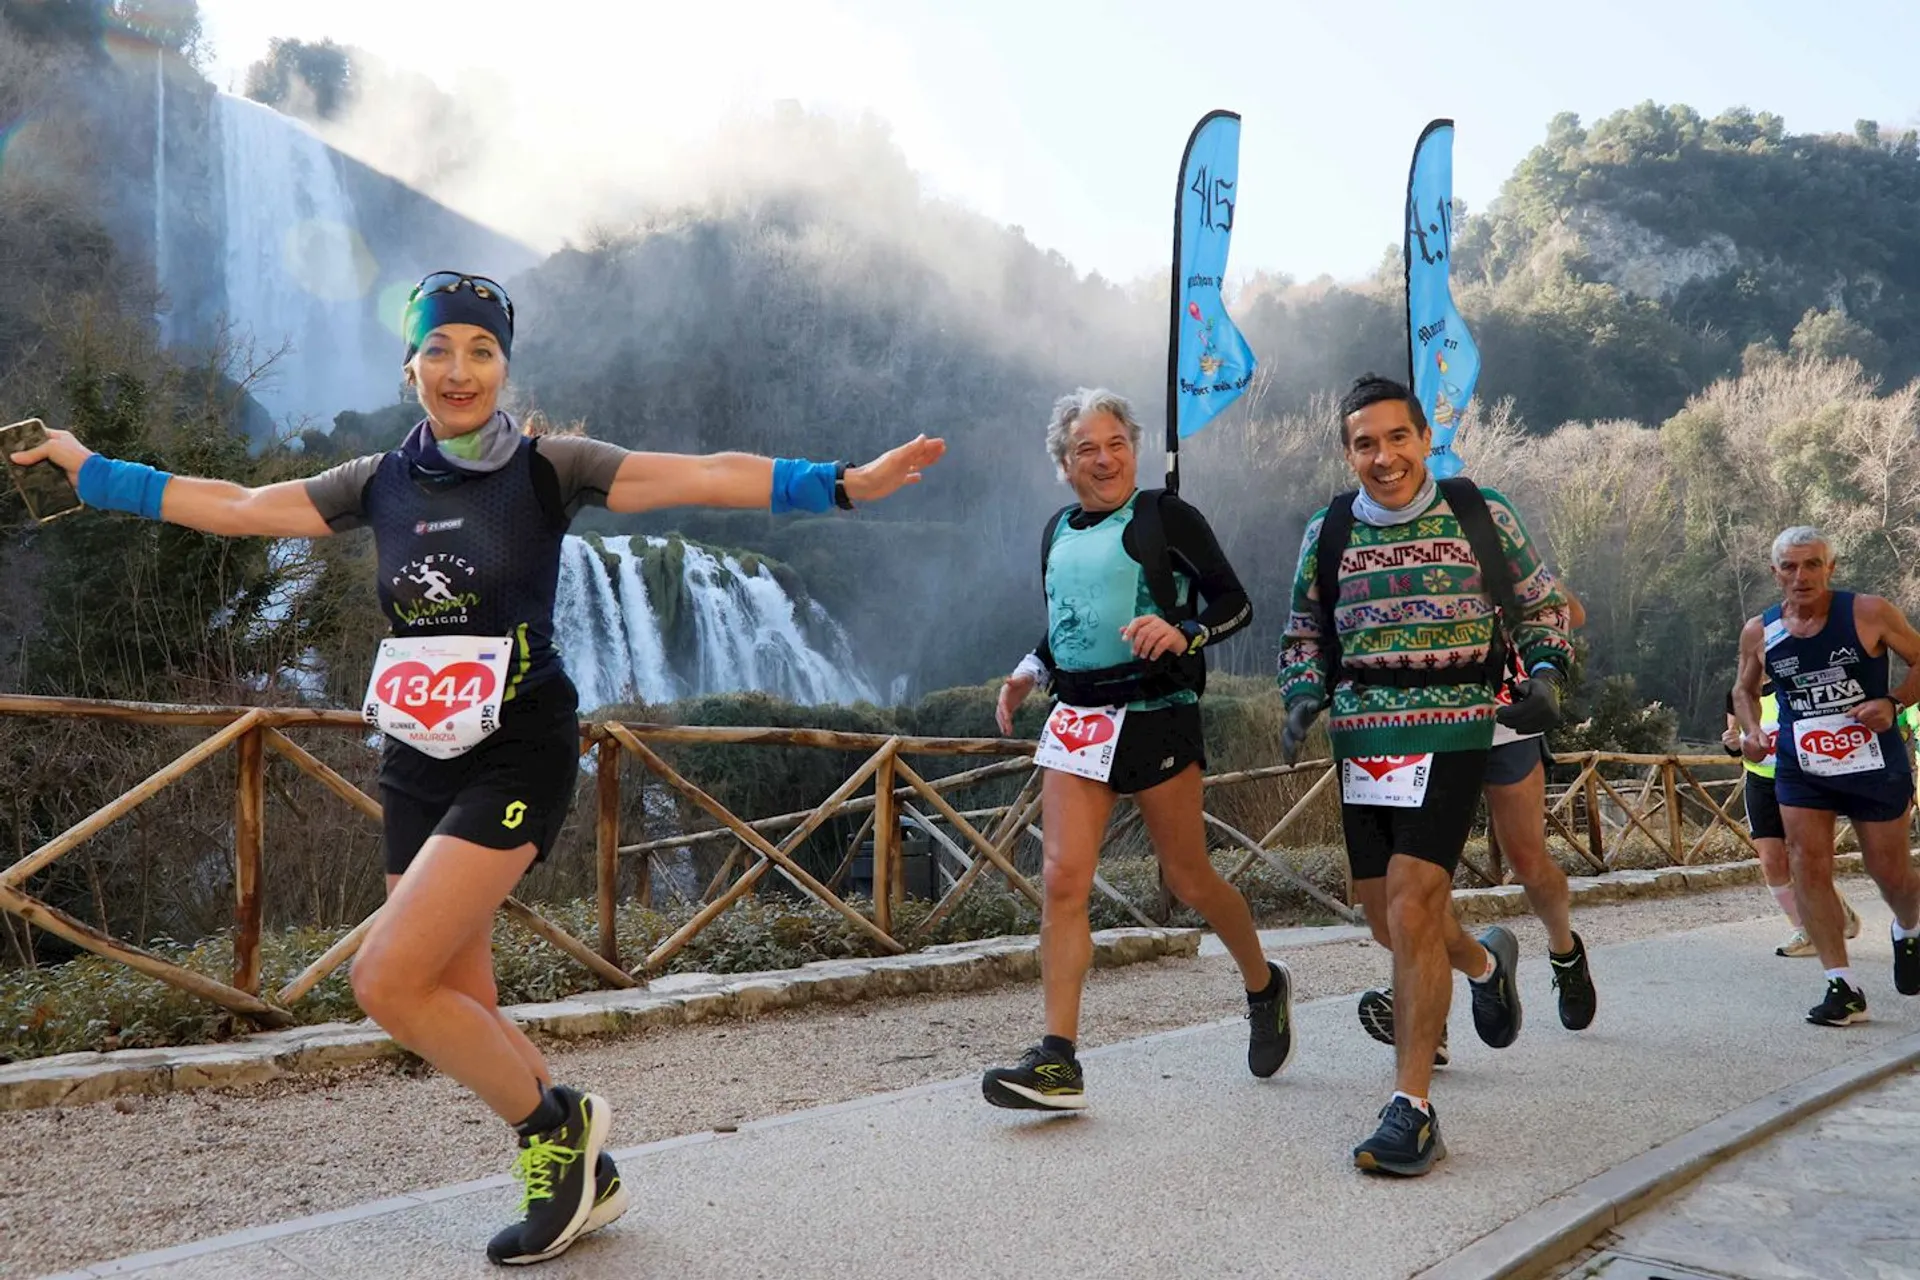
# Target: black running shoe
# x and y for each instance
(1376, 1019)
(1044, 1081)
(1906, 966)
(609, 1196)
(1574, 981)
(1376, 1013)
(1496, 1002)
(1843, 1006)
(556, 1171)
(1406, 1144)
(1270, 1042)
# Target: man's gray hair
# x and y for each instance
(1068, 410)
(1801, 535)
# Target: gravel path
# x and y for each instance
(135, 1174)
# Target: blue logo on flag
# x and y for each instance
(1445, 361)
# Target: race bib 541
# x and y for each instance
(1081, 740)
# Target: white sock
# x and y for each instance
(1845, 975)
(1901, 935)
(1493, 967)
(1783, 894)
(1425, 1106)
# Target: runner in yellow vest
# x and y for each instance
(1769, 834)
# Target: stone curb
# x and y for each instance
(1551, 1234)
(74, 1079)
(1479, 906)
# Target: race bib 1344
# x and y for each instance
(440, 695)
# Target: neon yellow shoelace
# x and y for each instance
(534, 1169)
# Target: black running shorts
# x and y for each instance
(1156, 745)
(1435, 832)
(1515, 761)
(1763, 809)
(512, 790)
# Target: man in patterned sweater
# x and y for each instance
(1412, 660)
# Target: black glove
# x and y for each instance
(1536, 703)
(1301, 713)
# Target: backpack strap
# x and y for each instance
(1496, 574)
(1046, 543)
(546, 487)
(1336, 530)
(1156, 561)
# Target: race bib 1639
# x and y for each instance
(1833, 746)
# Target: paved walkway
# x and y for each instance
(1837, 1197)
(1185, 1165)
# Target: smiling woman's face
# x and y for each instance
(458, 372)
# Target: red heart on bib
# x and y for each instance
(1378, 767)
(1077, 732)
(1837, 744)
(430, 695)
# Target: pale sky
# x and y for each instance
(1067, 117)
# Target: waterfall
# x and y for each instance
(746, 632)
(298, 275)
(160, 184)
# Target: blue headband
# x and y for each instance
(462, 306)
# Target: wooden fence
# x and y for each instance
(1604, 814)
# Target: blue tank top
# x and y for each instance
(1826, 674)
(479, 556)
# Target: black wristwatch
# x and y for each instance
(1196, 634)
(840, 498)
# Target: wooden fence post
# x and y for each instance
(249, 842)
(1675, 820)
(1596, 829)
(886, 843)
(607, 846)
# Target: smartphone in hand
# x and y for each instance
(44, 486)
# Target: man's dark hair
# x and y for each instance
(1371, 388)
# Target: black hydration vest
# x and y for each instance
(478, 555)
(1139, 680)
(1469, 507)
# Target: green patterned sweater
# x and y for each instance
(1410, 596)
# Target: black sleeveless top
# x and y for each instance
(478, 557)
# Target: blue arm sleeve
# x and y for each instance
(134, 487)
(799, 485)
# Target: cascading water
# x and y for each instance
(160, 264)
(298, 275)
(746, 632)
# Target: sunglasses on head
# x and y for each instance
(454, 281)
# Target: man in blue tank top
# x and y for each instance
(1839, 752)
